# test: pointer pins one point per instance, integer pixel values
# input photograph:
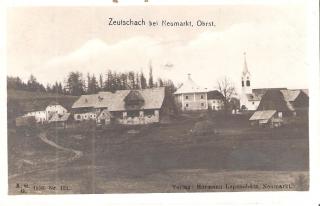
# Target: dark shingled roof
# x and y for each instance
(134, 95)
(273, 100)
(215, 94)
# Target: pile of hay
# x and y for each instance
(205, 127)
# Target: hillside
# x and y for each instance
(19, 102)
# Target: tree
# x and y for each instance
(226, 87)
(150, 76)
(132, 81)
(75, 83)
(92, 85)
(160, 82)
(143, 81)
(100, 82)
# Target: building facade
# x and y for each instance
(133, 107)
(215, 100)
(190, 96)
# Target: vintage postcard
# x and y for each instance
(157, 99)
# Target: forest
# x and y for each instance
(76, 83)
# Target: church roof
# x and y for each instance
(245, 66)
(190, 86)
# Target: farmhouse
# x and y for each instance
(215, 100)
(277, 106)
(43, 114)
(123, 106)
(54, 108)
(39, 115)
(190, 96)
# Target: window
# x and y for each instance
(149, 112)
(187, 105)
(202, 104)
(187, 97)
(133, 113)
(213, 101)
(242, 83)
(201, 96)
(248, 83)
(252, 102)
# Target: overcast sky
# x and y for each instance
(51, 42)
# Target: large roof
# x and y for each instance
(215, 94)
(153, 99)
(190, 86)
(257, 94)
(262, 115)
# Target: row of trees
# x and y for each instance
(76, 84)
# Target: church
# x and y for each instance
(267, 98)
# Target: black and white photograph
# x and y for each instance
(157, 99)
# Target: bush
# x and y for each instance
(203, 128)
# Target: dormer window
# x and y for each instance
(134, 100)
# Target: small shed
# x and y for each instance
(104, 117)
(265, 118)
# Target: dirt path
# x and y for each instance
(77, 153)
(37, 166)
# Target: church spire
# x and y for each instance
(245, 66)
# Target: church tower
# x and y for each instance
(245, 83)
(246, 78)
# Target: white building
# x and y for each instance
(54, 108)
(249, 98)
(45, 115)
(215, 100)
(40, 116)
(190, 96)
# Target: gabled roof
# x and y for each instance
(306, 91)
(190, 86)
(290, 95)
(60, 118)
(254, 97)
(53, 103)
(215, 94)
(85, 101)
(257, 94)
(273, 100)
(153, 99)
(262, 115)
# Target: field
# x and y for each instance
(194, 153)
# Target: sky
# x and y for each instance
(49, 42)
